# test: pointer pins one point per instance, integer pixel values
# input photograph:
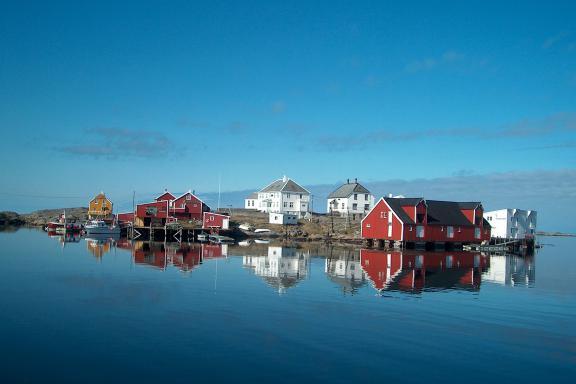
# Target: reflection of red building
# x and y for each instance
(420, 220)
(214, 251)
(414, 272)
(184, 256)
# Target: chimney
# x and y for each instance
(347, 181)
(284, 178)
(390, 195)
(356, 180)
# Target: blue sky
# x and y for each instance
(124, 96)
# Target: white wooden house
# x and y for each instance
(350, 199)
(251, 201)
(281, 196)
(510, 223)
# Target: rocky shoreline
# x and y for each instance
(40, 218)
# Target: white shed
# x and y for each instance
(283, 218)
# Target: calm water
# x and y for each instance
(90, 311)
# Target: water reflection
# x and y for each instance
(184, 256)
(511, 270)
(349, 269)
(281, 268)
(415, 272)
(343, 268)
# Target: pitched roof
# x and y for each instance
(172, 197)
(346, 190)
(438, 212)
(253, 195)
(284, 185)
(396, 203)
(446, 212)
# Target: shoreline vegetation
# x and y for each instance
(318, 227)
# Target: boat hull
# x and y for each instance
(115, 231)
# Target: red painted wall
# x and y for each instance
(161, 209)
(213, 220)
(375, 224)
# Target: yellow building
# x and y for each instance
(100, 207)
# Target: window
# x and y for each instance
(300, 195)
(368, 225)
(383, 215)
(291, 205)
(477, 233)
(354, 207)
(342, 205)
(188, 197)
(450, 232)
(285, 204)
(287, 195)
(355, 196)
(420, 231)
(366, 197)
(366, 207)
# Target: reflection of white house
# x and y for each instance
(282, 268)
(281, 196)
(512, 223)
(350, 199)
(510, 270)
(346, 271)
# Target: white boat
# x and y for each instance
(246, 227)
(202, 237)
(219, 239)
(262, 230)
(99, 227)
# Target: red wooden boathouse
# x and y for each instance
(416, 220)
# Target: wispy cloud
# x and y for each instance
(120, 143)
(429, 63)
(553, 124)
(554, 40)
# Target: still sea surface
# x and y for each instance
(83, 311)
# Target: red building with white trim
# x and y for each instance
(416, 220)
(169, 208)
(215, 221)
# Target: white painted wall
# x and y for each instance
(350, 205)
(284, 202)
(512, 223)
(251, 203)
(283, 218)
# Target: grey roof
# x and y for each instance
(284, 185)
(346, 190)
(446, 212)
(439, 212)
(396, 204)
(253, 195)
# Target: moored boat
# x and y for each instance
(99, 227)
